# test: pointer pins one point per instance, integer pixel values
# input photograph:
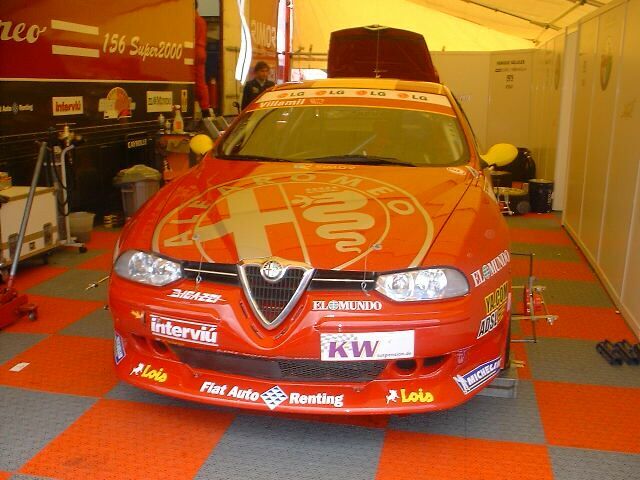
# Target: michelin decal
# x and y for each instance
(480, 375)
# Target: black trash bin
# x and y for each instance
(540, 195)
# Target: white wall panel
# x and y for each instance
(581, 122)
(467, 75)
(599, 144)
(510, 98)
(622, 217)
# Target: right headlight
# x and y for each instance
(422, 285)
(147, 268)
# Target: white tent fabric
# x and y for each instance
(460, 25)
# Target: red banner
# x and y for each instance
(263, 24)
(130, 40)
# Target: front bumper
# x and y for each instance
(451, 364)
(140, 362)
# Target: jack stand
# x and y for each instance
(535, 307)
(68, 240)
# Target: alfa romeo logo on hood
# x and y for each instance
(329, 218)
(272, 271)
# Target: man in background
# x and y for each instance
(259, 84)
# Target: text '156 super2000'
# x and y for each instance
(337, 251)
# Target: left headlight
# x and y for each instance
(147, 268)
(421, 285)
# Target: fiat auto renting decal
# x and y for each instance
(320, 215)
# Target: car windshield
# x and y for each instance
(347, 134)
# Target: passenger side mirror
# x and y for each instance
(500, 154)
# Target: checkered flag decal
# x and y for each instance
(274, 397)
(327, 338)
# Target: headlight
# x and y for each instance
(147, 268)
(420, 285)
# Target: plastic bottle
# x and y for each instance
(178, 123)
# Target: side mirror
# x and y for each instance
(500, 154)
(201, 144)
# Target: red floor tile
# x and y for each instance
(117, 439)
(53, 314)
(529, 235)
(553, 269)
(5, 475)
(589, 416)
(409, 455)
(101, 262)
(586, 323)
(64, 364)
(30, 276)
(102, 240)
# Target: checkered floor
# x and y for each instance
(66, 416)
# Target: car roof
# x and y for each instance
(374, 83)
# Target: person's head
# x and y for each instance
(261, 71)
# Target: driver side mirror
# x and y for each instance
(201, 144)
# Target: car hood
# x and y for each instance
(350, 217)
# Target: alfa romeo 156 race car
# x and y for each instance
(338, 251)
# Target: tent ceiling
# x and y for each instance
(534, 20)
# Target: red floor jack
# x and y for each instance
(14, 305)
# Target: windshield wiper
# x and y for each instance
(259, 158)
(360, 160)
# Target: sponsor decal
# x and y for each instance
(495, 316)
(118, 349)
(347, 305)
(273, 397)
(409, 396)
(19, 32)
(367, 346)
(496, 298)
(67, 106)
(16, 108)
(159, 101)
(137, 314)
(117, 104)
(301, 94)
(342, 224)
(187, 331)
(147, 371)
(141, 142)
(488, 270)
(480, 375)
(489, 323)
(193, 295)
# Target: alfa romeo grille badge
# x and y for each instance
(272, 271)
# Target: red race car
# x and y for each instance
(337, 251)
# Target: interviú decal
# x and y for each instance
(67, 106)
(184, 330)
(480, 375)
(488, 270)
(347, 305)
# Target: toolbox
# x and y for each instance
(42, 230)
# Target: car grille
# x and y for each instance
(323, 280)
(271, 298)
(280, 369)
